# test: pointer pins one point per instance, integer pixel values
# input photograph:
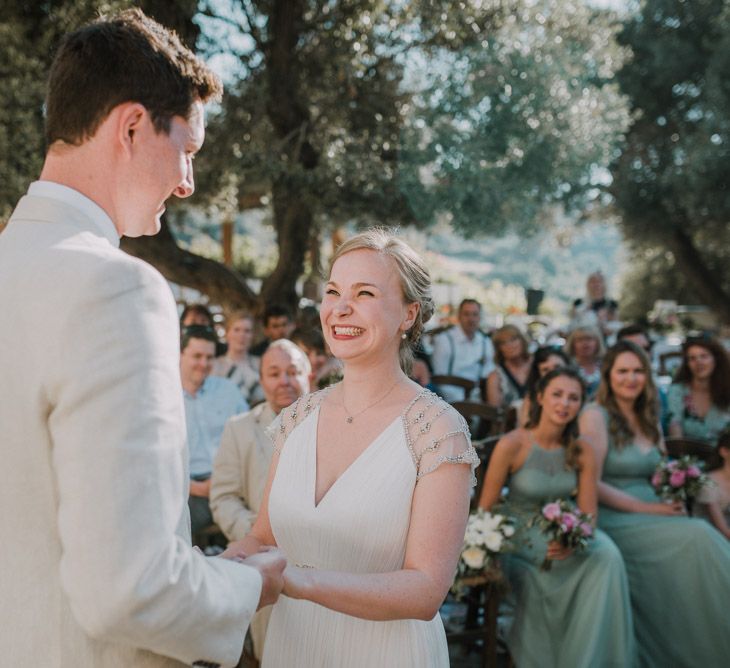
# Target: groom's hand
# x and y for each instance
(270, 563)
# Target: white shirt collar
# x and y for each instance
(74, 198)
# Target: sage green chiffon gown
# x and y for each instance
(578, 613)
(678, 569)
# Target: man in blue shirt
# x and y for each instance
(209, 402)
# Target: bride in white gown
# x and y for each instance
(358, 499)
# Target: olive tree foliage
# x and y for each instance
(29, 33)
(526, 118)
(313, 125)
(365, 111)
(672, 181)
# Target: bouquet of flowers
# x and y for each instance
(563, 522)
(679, 479)
(485, 538)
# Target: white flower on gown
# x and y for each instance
(359, 526)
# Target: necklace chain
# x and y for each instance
(350, 417)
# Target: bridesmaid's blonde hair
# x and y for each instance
(414, 279)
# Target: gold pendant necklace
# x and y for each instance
(349, 417)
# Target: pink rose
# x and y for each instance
(656, 479)
(551, 512)
(677, 478)
(568, 521)
(693, 472)
(587, 529)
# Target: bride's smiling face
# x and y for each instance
(363, 313)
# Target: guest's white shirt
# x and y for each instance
(455, 354)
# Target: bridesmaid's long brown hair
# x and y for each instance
(646, 405)
(569, 437)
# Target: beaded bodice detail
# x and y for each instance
(434, 432)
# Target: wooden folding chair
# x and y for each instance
(669, 361)
(484, 448)
(484, 591)
(679, 447)
(456, 381)
(484, 420)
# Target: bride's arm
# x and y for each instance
(438, 520)
(593, 431)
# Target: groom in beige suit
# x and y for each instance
(97, 568)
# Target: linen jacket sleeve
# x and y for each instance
(118, 432)
(229, 485)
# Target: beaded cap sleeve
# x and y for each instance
(437, 434)
(292, 416)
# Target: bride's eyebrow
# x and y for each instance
(362, 284)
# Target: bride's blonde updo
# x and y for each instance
(414, 279)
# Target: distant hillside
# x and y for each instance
(556, 262)
(494, 270)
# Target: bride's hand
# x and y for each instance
(296, 581)
(234, 551)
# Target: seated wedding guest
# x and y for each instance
(368, 491)
(237, 365)
(463, 350)
(678, 566)
(209, 402)
(578, 612)
(422, 369)
(325, 369)
(713, 502)
(638, 335)
(196, 314)
(585, 349)
(278, 324)
(241, 465)
(311, 341)
(507, 384)
(595, 309)
(699, 397)
(544, 359)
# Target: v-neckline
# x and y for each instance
(397, 419)
(369, 447)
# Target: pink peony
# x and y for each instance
(587, 529)
(551, 511)
(693, 472)
(656, 479)
(677, 478)
(568, 521)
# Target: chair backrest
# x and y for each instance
(484, 420)
(678, 447)
(484, 448)
(457, 381)
(669, 361)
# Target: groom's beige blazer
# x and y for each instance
(97, 569)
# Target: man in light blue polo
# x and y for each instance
(209, 403)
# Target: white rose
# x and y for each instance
(493, 541)
(473, 557)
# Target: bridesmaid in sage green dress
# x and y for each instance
(699, 398)
(678, 567)
(577, 613)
